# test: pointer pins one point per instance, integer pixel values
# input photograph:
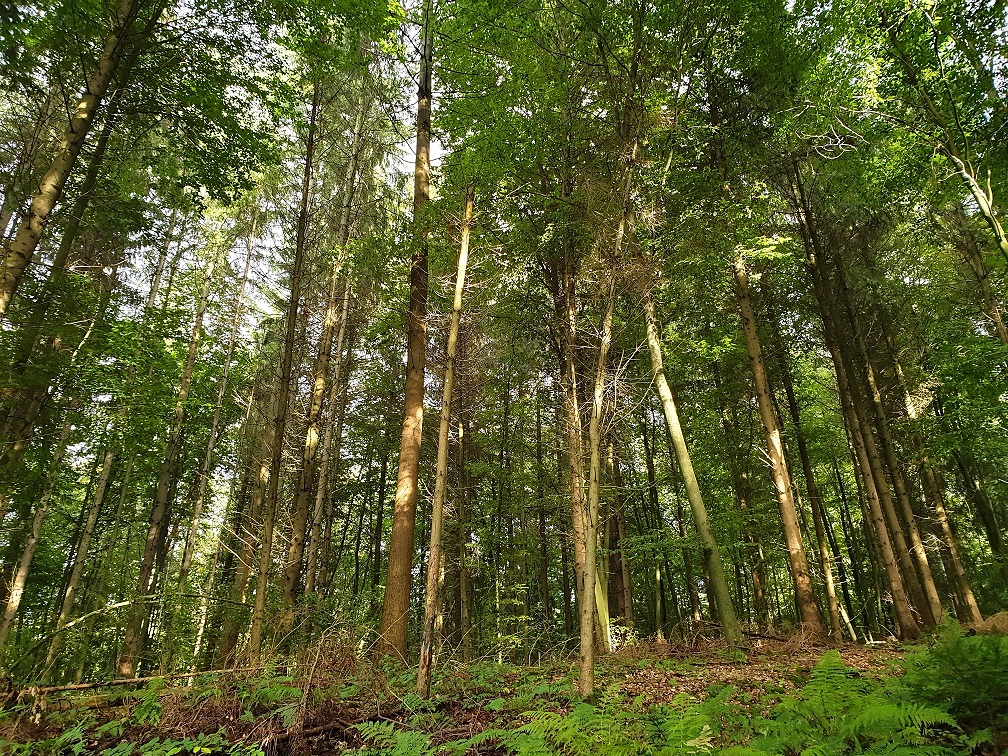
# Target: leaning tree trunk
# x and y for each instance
(932, 608)
(432, 599)
(395, 609)
(904, 617)
(18, 254)
(712, 554)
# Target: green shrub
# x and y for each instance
(965, 675)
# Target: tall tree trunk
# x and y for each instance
(310, 481)
(286, 371)
(99, 594)
(432, 598)
(331, 446)
(712, 554)
(589, 578)
(395, 610)
(214, 435)
(815, 502)
(29, 329)
(465, 536)
(739, 462)
(797, 561)
(247, 529)
(156, 527)
(379, 528)
(932, 609)
(544, 594)
(626, 586)
(908, 626)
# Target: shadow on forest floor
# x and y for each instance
(946, 695)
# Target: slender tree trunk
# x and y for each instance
(743, 497)
(544, 595)
(99, 595)
(284, 386)
(465, 536)
(395, 611)
(782, 480)
(156, 528)
(712, 555)
(29, 330)
(588, 578)
(908, 626)
(330, 449)
(434, 565)
(208, 454)
(24, 566)
(932, 609)
(246, 531)
(626, 585)
(310, 481)
(815, 502)
(79, 558)
(379, 528)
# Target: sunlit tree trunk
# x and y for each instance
(297, 275)
(18, 253)
(797, 561)
(432, 596)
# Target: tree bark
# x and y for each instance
(815, 503)
(310, 480)
(797, 561)
(18, 253)
(432, 598)
(21, 576)
(712, 555)
(395, 610)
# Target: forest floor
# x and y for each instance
(948, 695)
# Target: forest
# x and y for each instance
(503, 377)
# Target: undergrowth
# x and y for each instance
(947, 698)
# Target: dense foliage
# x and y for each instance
(705, 303)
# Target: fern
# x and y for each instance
(839, 712)
(392, 741)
